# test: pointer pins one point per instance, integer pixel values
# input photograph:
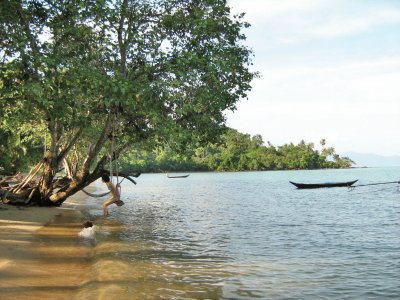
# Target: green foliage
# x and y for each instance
(14, 150)
(166, 69)
(236, 152)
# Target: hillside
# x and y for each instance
(373, 160)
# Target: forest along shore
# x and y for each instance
(41, 254)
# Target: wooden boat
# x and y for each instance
(323, 185)
(177, 176)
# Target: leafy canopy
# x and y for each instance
(166, 70)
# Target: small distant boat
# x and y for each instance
(323, 185)
(178, 176)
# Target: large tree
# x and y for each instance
(93, 78)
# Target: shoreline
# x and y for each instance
(42, 257)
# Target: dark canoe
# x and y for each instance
(323, 185)
(178, 176)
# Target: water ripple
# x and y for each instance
(252, 235)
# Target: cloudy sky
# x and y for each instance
(330, 69)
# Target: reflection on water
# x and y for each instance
(253, 235)
(144, 268)
(231, 236)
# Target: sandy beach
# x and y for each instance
(41, 257)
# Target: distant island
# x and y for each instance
(373, 160)
(235, 151)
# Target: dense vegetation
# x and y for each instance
(83, 82)
(92, 78)
(236, 152)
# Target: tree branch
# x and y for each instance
(67, 148)
(25, 23)
(99, 169)
(121, 42)
(96, 149)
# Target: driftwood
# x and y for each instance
(27, 191)
(15, 199)
(12, 179)
(28, 179)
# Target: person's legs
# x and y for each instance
(107, 203)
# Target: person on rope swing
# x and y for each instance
(115, 198)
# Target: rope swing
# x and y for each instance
(111, 157)
(351, 188)
(96, 195)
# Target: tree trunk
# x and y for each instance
(50, 191)
(46, 181)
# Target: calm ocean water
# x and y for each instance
(254, 235)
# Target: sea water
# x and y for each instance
(250, 235)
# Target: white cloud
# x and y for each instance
(290, 21)
(261, 9)
(284, 73)
(350, 24)
(319, 83)
(344, 104)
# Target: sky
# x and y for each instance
(330, 69)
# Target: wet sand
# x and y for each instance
(41, 256)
